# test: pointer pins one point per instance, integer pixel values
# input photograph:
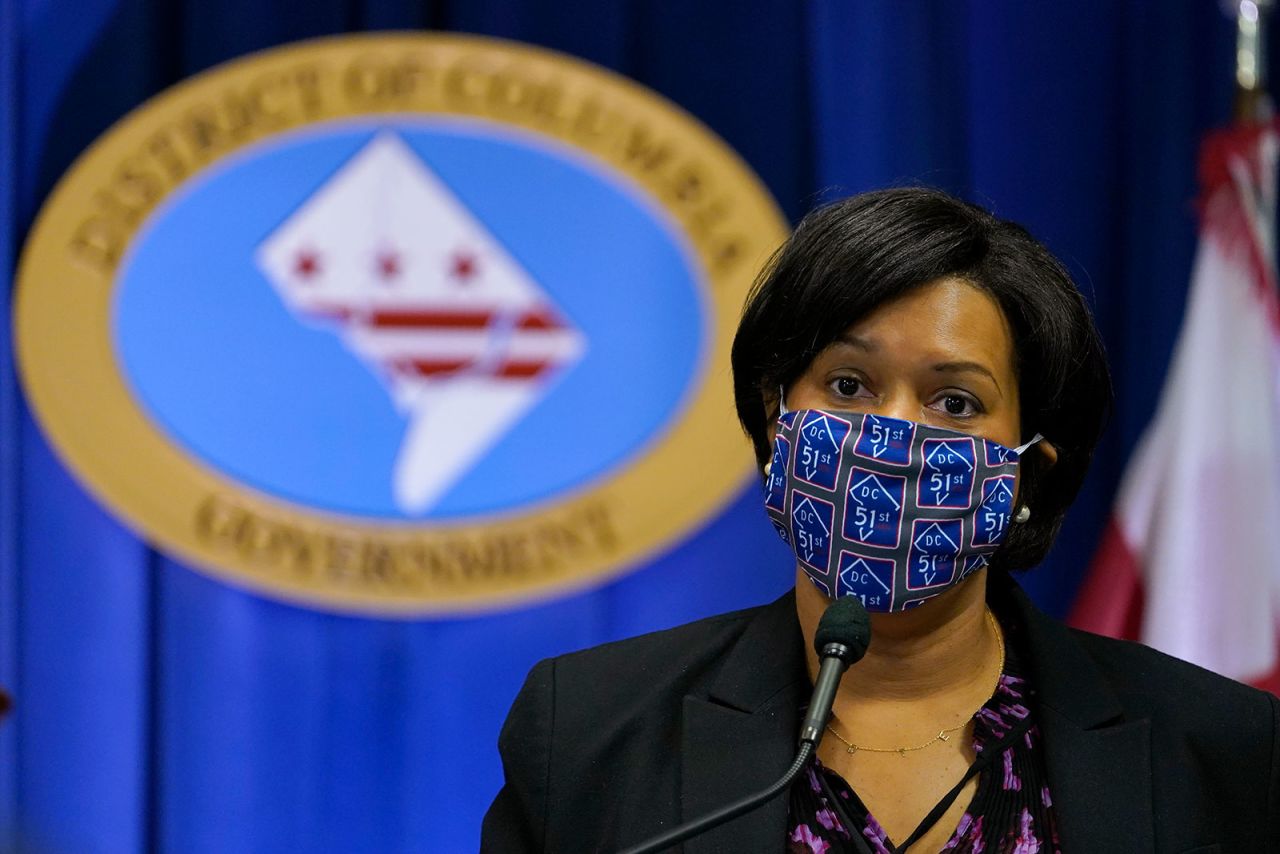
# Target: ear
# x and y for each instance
(772, 404)
(1047, 449)
(1050, 454)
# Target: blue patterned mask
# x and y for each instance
(890, 511)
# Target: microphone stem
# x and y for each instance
(692, 828)
(842, 637)
(834, 663)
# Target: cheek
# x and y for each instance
(1005, 427)
(807, 392)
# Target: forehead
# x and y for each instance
(947, 319)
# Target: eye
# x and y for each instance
(958, 405)
(849, 387)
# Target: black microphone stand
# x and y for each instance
(720, 816)
(842, 638)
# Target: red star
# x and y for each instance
(388, 265)
(464, 266)
(307, 265)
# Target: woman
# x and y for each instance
(923, 387)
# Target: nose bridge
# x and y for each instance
(899, 400)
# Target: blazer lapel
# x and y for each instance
(741, 736)
(1100, 780)
(1098, 761)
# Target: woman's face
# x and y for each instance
(940, 355)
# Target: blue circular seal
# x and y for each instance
(398, 324)
(287, 408)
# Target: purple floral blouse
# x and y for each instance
(1011, 812)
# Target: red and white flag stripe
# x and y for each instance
(433, 343)
(1190, 563)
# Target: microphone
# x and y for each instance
(843, 634)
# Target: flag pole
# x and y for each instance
(1252, 101)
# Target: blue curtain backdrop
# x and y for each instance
(160, 711)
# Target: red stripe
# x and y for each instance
(434, 367)
(403, 319)
(430, 319)
(1110, 601)
(1268, 681)
(429, 367)
(538, 320)
(426, 319)
(521, 370)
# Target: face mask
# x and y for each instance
(890, 511)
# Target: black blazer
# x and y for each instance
(605, 748)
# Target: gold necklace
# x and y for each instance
(943, 735)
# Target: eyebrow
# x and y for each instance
(857, 342)
(957, 367)
(968, 368)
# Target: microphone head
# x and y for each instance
(844, 622)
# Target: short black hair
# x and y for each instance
(847, 258)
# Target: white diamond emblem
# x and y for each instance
(421, 292)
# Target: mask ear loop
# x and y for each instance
(1021, 449)
(1024, 512)
(782, 410)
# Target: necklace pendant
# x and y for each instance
(853, 748)
(902, 751)
(942, 736)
